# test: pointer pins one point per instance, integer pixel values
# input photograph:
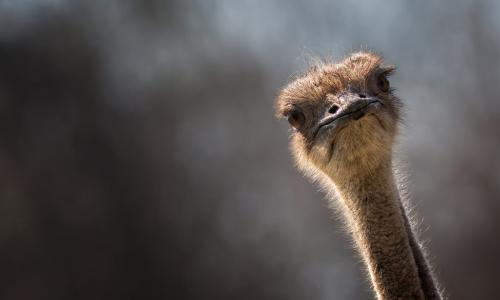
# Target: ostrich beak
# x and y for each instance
(357, 108)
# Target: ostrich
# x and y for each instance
(345, 118)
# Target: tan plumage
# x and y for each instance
(345, 118)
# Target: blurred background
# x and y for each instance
(140, 157)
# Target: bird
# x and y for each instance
(345, 117)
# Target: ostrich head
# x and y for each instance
(343, 115)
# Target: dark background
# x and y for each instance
(140, 158)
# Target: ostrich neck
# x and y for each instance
(382, 233)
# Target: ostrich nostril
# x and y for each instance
(361, 95)
(333, 109)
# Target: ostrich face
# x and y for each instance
(344, 116)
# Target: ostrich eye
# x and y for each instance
(296, 119)
(383, 83)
